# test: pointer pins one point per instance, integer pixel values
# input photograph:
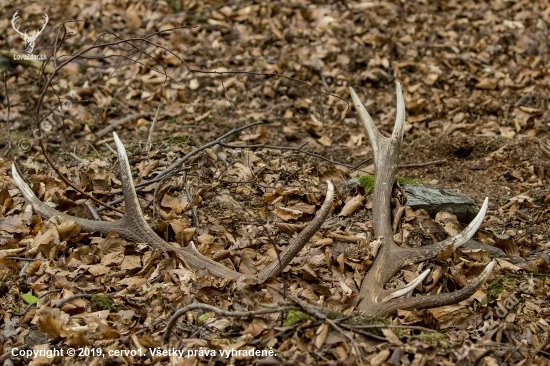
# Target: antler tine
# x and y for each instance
(415, 255)
(132, 207)
(373, 299)
(372, 131)
(405, 290)
(432, 301)
(399, 125)
(386, 155)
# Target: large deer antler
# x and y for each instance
(373, 299)
(29, 40)
(133, 226)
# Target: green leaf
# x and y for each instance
(30, 298)
(203, 318)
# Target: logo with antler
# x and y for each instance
(29, 40)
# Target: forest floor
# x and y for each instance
(475, 78)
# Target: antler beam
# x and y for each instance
(373, 299)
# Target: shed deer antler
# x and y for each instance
(29, 40)
(133, 226)
(373, 299)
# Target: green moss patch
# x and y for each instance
(367, 182)
(296, 316)
(102, 302)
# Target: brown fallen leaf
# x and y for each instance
(486, 84)
(321, 335)
(286, 214)
(12, 224)
(303, 207)
(133, 20)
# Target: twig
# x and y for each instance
(299, 149)
(110, 148)
(75, 157)
(391, 326)
(120, 122)
(152, 129)
(180, 161)
(481, 357)
(93, 148)
(24, 269)
(191, 200)
(310, 310)
(70, 298)
(234, 314)
(317, 314)
(418, 165)
(324, 80)
(92, 210)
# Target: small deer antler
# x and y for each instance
(29, 40)
(133, 226)
(373, 299)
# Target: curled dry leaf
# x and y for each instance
(353, 205)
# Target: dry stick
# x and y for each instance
(70, 298)
(418, 165)
(120, 122)
(110, 148)
(180, 161)
(77, 296)
(310, 310)
(234, 314)
(337, 327)
(93, 148)
(481, 357)
(92, 210)
(152, 129)
(24, 269)
(391, 326)
(297, 148)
